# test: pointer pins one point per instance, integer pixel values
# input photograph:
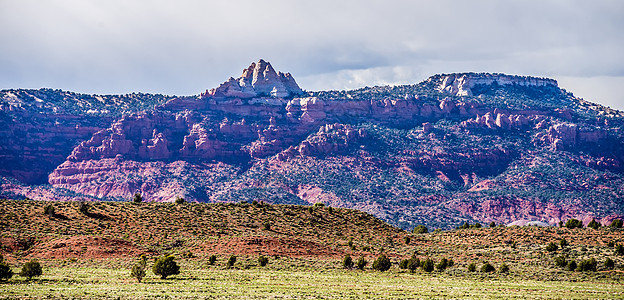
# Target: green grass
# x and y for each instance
(106, 281)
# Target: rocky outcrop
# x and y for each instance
(461, 84)
(258, 80)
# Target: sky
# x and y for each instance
(184, 47)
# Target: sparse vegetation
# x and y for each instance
(588, 265)
(31, 269)
(427, 265)
(137, 198)
(5, 270)
(263, 260)
(382, 263)
(504, 268)
(231, 261)
(420, 229)
(552, 247)
(212, 259)
(609, 264)
(574, 223)
(472, 267)
(180, 200)
(49, 210)
(593, 224)
(138, 270)
(487, 268)
(361, 263)
(347, 262)
(617, 223)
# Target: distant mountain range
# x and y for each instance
(473, 147)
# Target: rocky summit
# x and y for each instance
(469, 147)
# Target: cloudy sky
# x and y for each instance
(184, 47)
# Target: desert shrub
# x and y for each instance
(165, 266)
(619, 249)
(611, 244)
(382, 263)
(31, 269)
(574, 223)
(403, 264)
(188, 254)
(407, 240)
(504, 268)
(427, 265)
(5, 270)
(350, 244)
(560, 261)
(49, 210)
(563, 243)
(444, 263)
(609, 264)
(472, 267)
(347, 262)
(266, 225)
(179, 200)
(361, 263)
(84, 207)
(464, 226)
(593, 224)
(138, 270)
(571, 266)
(476, 225)
(319, 204)
(492, 224)
(551, 247)
(420, 229)
(212, 259)
(588, 265)
(617, 223)
(231, 261)
(561, 224)
(310, 209)
(263, 260)
(487, 268)
(137, 198)
(254, 203)
(330, 209)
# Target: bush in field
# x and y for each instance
(420, 229)
(165, 266)
(179, 200)
(571, 266)
(593, 224)
(138, 270)
(619, 249)
(574, 223)
(5, 270)
(427, 265)
(552, 247)
(617, 223)
(49, 210)
(492, 224)
(347, 262)
(31, 269)
(472, 267)
(504, 268)
(487, 268)
(231, 261)
(588, 265)
(212, 259)
(263, 260)
(382, 263)
(560, 261)
(563, 243)
(137, 198)
(444, 263)
(609, 264)
(361, 263)
(611, 244)
(407, 240)
(84, 207)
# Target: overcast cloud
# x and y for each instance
(184, 47)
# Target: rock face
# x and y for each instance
(455, 148)
(462, 84)
(259, 79)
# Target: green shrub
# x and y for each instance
(403, 264)
(330, 209)
(593, 224)
(165, 266)
(83, 207)
(319, 204)
(350, 244)
(137, 198)
(560, 261)
(347, 262)
(464, 226)
(263, 260)
(472, 267)
(617, 223)
(588, 265)
(407, 240)
(231, 261)
(420, 229)
(619, 249)
(609, 264)
(504, 268)
(5, 270)
(476, 225)
(571, 266)
(31, 269)
(49, 210)
(212, 259)
(179, 200)
(487, 268)
(361, 263)
(574, 223)
(444, 263)
(266, 225)
(382, 263)
(563, 243)
(427, 265)
(138, 270)
(492, 224)
(611, 244)
(551, 247)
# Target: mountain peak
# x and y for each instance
(258, 80)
